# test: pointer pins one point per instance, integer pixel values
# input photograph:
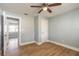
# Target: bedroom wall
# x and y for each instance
(27, 28)
(65, 28)
(36, 29)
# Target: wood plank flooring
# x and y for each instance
(0, 53)
(45, 49)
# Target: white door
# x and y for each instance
(44, 30)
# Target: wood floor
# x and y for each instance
(45, 49)
(0, 53)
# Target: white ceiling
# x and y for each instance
(25, 8)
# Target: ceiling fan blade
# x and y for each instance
(35, 6)
(49, 10)
(40, 10)
(54, 4)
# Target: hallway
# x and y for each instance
(12, 47)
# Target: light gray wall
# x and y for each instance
(65, 28)
(36, 31)
(27, 29)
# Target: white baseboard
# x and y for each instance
(27, 43)
(39, 43)
(57, 43)
(67, 46)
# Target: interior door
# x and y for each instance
(44, 30)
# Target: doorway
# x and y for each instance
(12, 35)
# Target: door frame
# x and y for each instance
(2, 34)
(5, 15)
(19, 27)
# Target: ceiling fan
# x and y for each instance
(46, 7)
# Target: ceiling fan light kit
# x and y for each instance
(45, 7)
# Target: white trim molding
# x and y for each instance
(66, 46)
(22, 44)
(19, 18)
(41, 42)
